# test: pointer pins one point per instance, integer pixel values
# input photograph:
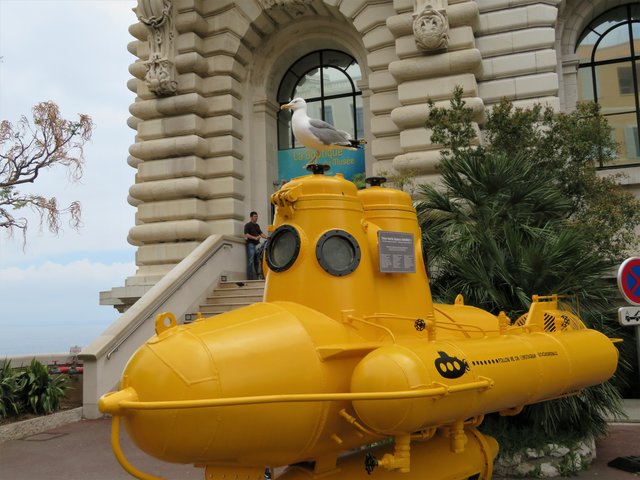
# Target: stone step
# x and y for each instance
(241, 284)
(238, 298)
(232, 292)
(230, 295)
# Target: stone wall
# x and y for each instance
(551, 461)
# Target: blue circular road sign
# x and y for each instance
(629, 280)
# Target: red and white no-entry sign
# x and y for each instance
(629, 280)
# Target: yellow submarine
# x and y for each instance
(346, 368)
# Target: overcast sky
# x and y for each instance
(73, 52)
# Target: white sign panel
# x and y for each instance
(629, 316)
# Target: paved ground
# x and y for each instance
(81, 451)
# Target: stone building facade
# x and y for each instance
(209, 78)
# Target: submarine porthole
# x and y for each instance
(338, 252)
(283, 248)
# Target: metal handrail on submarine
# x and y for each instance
(346, 350)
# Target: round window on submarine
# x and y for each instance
(283, 248)
(338, 252)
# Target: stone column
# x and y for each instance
(436, 48)
(569, 90)
(264, 166)
(188, 150)
(380, 93)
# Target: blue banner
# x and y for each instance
(291, 162)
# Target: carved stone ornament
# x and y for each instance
(161, 71)
(431, 29)
(293, 7)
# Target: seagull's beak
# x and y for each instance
(286, 106)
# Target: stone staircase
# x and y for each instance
(231, 295)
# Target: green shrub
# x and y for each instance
(31, 389)
(9, 400)
(515, 216)
(39, 391)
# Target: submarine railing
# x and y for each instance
(120, 401)
(181, 290)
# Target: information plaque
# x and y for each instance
(396, 252)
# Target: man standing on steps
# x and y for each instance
(253, 233)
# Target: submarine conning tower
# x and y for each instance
(388, 211)
(361, 248)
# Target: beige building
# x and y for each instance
(211, 75)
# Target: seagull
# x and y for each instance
(317, 134)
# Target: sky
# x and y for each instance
(73, 52)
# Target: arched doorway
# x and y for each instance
(327, 80)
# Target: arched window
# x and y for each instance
(327, 80)
(609, 73)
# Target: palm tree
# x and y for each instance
(498, 230)
(498, 233)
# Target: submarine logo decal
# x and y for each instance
(450, 367)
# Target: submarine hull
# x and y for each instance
(264, 349)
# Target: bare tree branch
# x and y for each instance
(31, 147)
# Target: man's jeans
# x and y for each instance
(252, 261)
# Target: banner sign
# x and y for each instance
(291, 162)
(396, 252)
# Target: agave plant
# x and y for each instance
(9, 400)
(40, 392)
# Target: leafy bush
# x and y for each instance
(564, 148)
(516, 216)
(9, 402)
(32, 389)
(40, 392)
